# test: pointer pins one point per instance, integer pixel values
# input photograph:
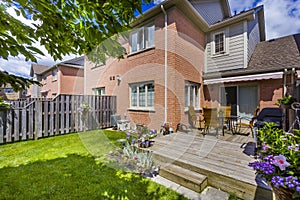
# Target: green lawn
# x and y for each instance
(71, 167)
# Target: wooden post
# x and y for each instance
(2, 113)
(67, 130)
(16, 124)
(38, 119)
(9, 125)
(24, 124)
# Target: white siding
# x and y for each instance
(253, 36)
(234, 58)
(210, 10)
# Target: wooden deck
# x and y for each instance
(224, 160)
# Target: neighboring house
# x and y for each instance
(172, 47)
(8, 93)
(271, 73)
(63, 78)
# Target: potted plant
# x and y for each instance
(279, 161)
(286, 101)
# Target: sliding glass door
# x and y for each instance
(242, 99)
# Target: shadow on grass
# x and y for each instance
(76, 177)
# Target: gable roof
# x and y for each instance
(37, 69)
(269, 56)
(191, 12)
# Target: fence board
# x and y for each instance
(62, 114)
(67, 114)
(57, 116)
(32, 130)
(24, 124)
(16, 124)
(2, 121)
(51, 120)
(45, 118)
(9, 125)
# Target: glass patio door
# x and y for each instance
(242, 99)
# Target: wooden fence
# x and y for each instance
(38, 118)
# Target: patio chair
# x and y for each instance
(211, 120)
(195, 120)
(244, 124)
(225, 111)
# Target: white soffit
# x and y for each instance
(275, 75)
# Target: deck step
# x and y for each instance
(184, 177)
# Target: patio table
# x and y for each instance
(231, 123)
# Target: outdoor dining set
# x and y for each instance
(221, 119)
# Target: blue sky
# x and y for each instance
(282, 18)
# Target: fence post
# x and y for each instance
(2, 126)
(38, 119)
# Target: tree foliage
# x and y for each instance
(66, 26)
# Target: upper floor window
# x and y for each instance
(142, 38)
(142, 95)
(54, 74)
(192, 94)
(99, 91)
(219, 43)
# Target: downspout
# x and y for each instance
(284, 82)
(166, 63)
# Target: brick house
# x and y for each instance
(8, 93)
(63, 78)
(169, 51)
(270, 74)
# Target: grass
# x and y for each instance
(71, 167)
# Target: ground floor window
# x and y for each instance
(142, 95)
(192, 94)
(242, 99)
(99, 91)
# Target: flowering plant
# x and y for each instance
(141, 136)
(279, 158)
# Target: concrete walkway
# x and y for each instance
(209, 193)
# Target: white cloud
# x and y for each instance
(282, 17)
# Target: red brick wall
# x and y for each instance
(185, 62)
(71, 80)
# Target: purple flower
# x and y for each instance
(133, 141)
(277, 181)
(290, 147)
(128, 135)
(265, 146)
(296, 147)
(281, 162)
(298, 189)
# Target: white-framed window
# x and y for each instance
(142, 38)
(99, 91)
(8, 91)
(54, 74)
(220, 42)
(142, 95)
(192, 94)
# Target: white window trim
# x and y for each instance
(145, 47)
(189, 83)
(96, 90)
(226, 43)
(145, 108)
